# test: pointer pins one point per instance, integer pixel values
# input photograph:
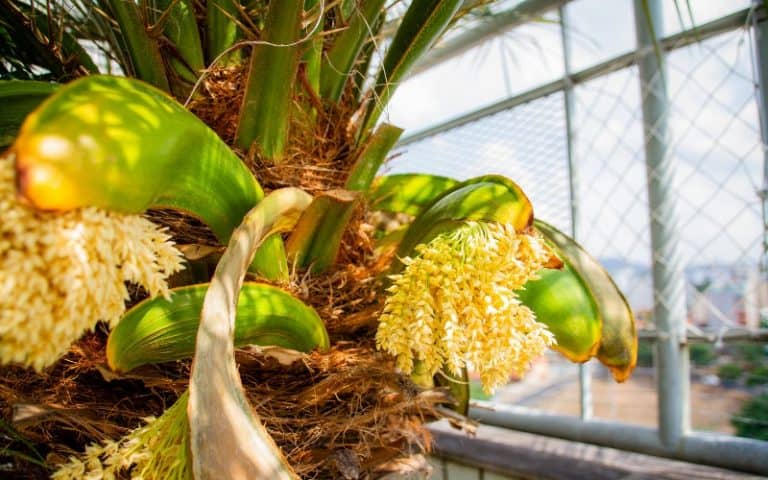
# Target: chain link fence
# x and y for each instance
(715, 145)
(527, 143)
(715, 154)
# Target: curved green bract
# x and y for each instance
(562, 302)
(158, 330)
(407, 192)
(123, 145)
(487, 198)
(618, 343)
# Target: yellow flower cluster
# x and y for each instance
(455, 304)
(157, 451)
(60, 273)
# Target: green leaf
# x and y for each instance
(342, 56)
(144, 50)
(122, 145)
(422, 25)
(265, 114)
(408, 193)
(159, 330)
(618, 340)
(19, 98)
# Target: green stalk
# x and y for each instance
(309, 104)
(365, 57)
(271, 262)
(143, 49)
(316, 240)
(422, 25)
(458, 386)
(371, 157)
(313, 55)
(227, 439)
(347, 9)
(312, 60)
(317, 237)
(342, 56)
(221, 27)
(265, 112)
(181, 29)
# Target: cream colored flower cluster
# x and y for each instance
(60, 273)
(455, 304)
(157, 451)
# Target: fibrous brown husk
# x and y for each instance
(319, 152)
(344, 409)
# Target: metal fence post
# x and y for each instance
(669, 310)
(760, 32)
(585, 369)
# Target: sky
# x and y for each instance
(713, 125)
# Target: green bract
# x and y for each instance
(123, 145)
(159, 330)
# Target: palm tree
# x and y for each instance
(281, 170)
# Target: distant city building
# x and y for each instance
(717, 296)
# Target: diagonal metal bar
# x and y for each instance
(679, 40)
(495, 24)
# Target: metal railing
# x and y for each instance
(671, 333)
